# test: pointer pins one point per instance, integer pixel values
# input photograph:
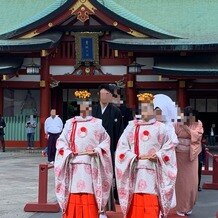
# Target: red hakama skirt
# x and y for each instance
(81, 205)
(144, 206)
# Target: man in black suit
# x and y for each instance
(112, 122)
(111, 115)
(126, 112)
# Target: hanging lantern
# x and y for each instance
(134, 68)
(32, 68)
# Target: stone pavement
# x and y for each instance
(19, 185)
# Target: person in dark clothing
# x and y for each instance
(113, 123)
(201, 160)
(126, 112)
(111, 115)
(2, 126)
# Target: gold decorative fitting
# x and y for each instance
(130, 54)
(136, 33)
(83, 94)
(116, 53)
(181, 84)
(44, 53)
(145, 97)
(42, 83)
(160, 78)
(30, 34)
(82, 10)
(130, 84)
(87, 70)
(50, 24)
(115, 23)
(5, 77)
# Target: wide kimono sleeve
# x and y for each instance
(196, 135)
(125, 169)
(102, 171)
(62, 166)
(166, 170)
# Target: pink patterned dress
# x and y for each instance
(82, 173)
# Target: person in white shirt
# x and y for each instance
(53, 127)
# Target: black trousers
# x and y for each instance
(52, 146)
(2, 142)
(200, 164)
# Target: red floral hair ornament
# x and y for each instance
(166, 158)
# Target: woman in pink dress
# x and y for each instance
(189, 132)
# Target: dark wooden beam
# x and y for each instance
(201, 86)
(87, 78)
(20, 85)
(156, 85)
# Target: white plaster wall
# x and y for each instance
(114, 70)
(26, 78)
(152, 78)
(61, 70)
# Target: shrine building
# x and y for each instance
(50, 48)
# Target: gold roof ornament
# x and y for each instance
(145, 97)
(82, 94)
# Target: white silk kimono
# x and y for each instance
(134, 175)
(83, 173)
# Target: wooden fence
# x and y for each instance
(15, 129)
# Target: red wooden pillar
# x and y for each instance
(182, 94)
(1, 100)
(130, 91)
(45, 98)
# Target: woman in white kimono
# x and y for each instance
(166, 112)
(83, 166)
(145, 165)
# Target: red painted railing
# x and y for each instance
(207, 170)
(213, 172)
(42, 205)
